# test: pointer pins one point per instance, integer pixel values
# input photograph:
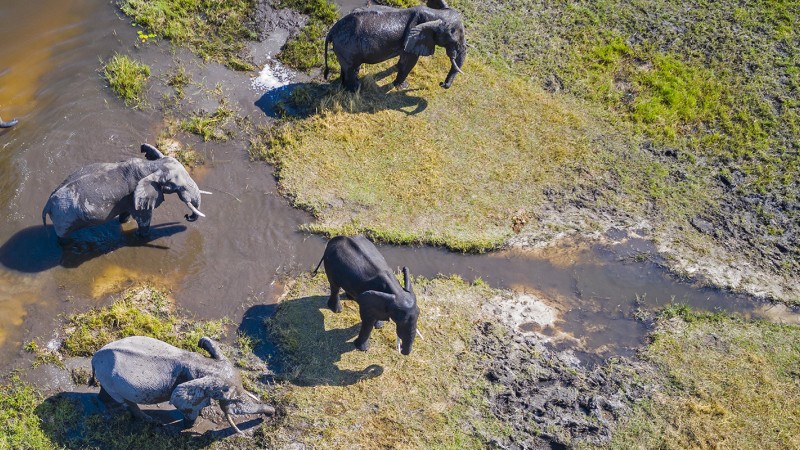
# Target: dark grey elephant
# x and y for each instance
(377, 33)
(97, 193)
(142, 370)
(355, 265)
(9, 124)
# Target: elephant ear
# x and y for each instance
(437, 4)
(145, 196)
(192, 396)
(420, 38)
(375, 302)
(151, 152)
(211, 347)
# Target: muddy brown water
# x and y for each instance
(222, 265)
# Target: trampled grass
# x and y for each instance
(127, 78)
(446, 167)
(727, 383)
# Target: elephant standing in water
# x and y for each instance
(142, 370)
(97, 193)
(377, 33)
(355, 265)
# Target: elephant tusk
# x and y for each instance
(205, 192)
(398, 346)
(458, 69)
(252, 396)
(194, 210)
(419, 334)
(233, 424)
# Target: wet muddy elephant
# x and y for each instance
(142, 370)
(374, 34)
(97, 193)
(355, 265)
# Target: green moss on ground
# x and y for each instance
(726, 383)
(213, 29)
(127, 78)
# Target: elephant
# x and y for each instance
(142, 370)
(9, 124)
(377, 33)
(355, 265)
(97, 193)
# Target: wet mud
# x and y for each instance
(231, 263)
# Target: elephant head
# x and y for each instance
(223, 385)
(169, 177)
(446, 31)
(402, 308)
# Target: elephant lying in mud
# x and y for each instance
(97, 193)
(374, 34)
(142, 370)
(355, 265)
(9, 124)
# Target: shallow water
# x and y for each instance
(221, 265)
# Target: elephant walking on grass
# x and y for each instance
(97, 193)
(377, 33)
(142, 370)
(355, 265)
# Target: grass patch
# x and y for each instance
(305, 50)
(338, 397)
(464, 168)
(215, 30)
(140, 311)
(210, 126)
(727, 383)
(127, 78)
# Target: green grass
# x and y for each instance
(215, 30)
(210, 126)
(127, 78)
(139, 311)
(305, 50)
(726, 383)
(338, 397)
(463, 168)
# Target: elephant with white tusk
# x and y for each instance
(97, 193)
(355, 265)
(378, 33)
(142, 370)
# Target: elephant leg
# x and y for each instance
(350, 77)
(333, 302)
(134, 409)
(404, 65)
(362, 342)
(143, 221)
(379, 324)
(124, 217)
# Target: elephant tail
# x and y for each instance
(327, 41)
(320, 263)
(92, 380)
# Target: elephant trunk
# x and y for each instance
(191, 196)
(457, 57)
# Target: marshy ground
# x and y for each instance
(573, 119)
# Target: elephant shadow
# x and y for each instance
(300, 349)
(36, 249)
(303, 100)
(82, 420)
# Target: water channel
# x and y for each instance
(50, 52)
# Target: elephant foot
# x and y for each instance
(143, 233)
(363, 346)
(379, 324)
(401, 86)
(335, 306)
(124, 218)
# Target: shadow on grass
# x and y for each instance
(303, 100)
(35, 249)
(82, 420)
(307, 352)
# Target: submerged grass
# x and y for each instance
(213, 29)
(127, 78)
(727, 383)
(338, 397)
(464, 168)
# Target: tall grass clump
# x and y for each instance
(127, 78)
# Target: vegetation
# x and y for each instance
(210, 126)
(127, 78)
(726, 383)
(140, 311)
(305, 50)
(337, 397)
(213, 29)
